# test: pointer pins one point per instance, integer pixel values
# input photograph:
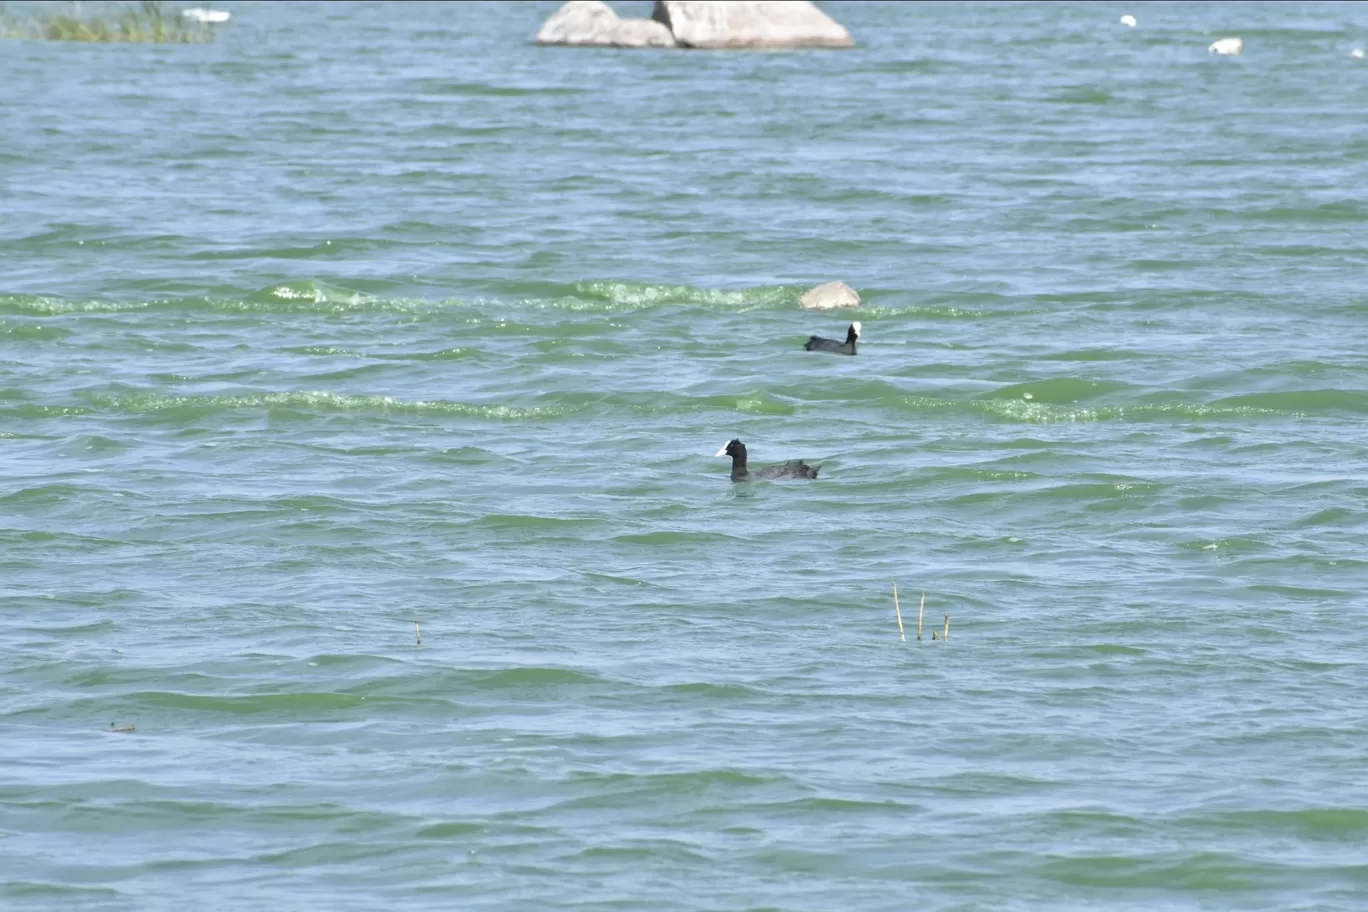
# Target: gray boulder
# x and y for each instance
(829, 296)
(592, 23)
(750, 24)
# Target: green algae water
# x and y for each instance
(369, 322)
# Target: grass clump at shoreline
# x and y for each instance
(148, 22)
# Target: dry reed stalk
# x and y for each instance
(920, 612)
(946, 634)
(901, 635)
(418, 633)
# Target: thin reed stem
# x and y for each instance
(898, 610)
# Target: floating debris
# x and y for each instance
(204, 14)
(121, 729)
(1128, 20)
(1227, 46)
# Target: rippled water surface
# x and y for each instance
(368, 315)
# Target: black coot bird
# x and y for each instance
(794, 468)
(818, 344)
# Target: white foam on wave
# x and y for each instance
(1128, 20)
(1227, 46)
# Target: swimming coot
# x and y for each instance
(818, 344)
(794, 468)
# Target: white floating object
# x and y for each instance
(1227, 46)
(1128, 20)
(1357, 52)
(201, 14)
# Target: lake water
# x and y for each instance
(370, 314)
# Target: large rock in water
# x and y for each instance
(830, 296)
(592, 23)
(750, 24)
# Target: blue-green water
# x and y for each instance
(372, 314)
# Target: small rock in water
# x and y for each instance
(640, 33)
(751, 24)
(1227, 46)
(829, 296)
(1128, 20)
(579, 22)
(592, 23)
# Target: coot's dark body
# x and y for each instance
(819, 344)
(794, 468)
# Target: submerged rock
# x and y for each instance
(592, 23)
(830, 296)
(750, 24)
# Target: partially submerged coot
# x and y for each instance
(794, 468)
(819, 344)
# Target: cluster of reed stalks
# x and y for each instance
(148, 22)
(921, 612)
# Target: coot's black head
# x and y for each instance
(733, 449)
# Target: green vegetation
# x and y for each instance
(148, 22)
